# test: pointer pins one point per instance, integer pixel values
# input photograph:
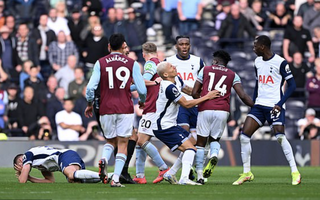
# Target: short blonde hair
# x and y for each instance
(149, 47)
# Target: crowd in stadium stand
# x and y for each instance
(48, 49)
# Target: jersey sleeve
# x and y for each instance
(93, 82)
(172, 93)
(150, 67)
(27, 158)
(236, 79)
(200, 76)
(285, 70)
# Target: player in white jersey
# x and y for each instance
(188, 67)
(271, 71)
(48, 160)
(165, 128)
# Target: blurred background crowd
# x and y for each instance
(48, 49)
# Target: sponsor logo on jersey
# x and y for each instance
(148, 67)
(265, 79)
(186, 76)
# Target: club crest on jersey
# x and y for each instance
(265, 79)
(288, 69)
(186, 76)
(175, 91)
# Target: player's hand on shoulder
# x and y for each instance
(213, 94)
(159, 79)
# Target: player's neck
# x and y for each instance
(267, 55)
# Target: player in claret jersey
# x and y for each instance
(115, 72)
(152, 81)
(213, 114)
(271, 72)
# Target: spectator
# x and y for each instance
(249, 14)
(312, 17)
(2, 14)
(7, 51)
(121, 24)
(11, 24)
(27, 48)
(316, 40)
(60, 50)
(109, 24)
(219, 6)
(297, 38)
(58, 24)
(24, 11)
(300, 72)
(52, 85)
(95, 46)
(280, 18)
(309, 126)
(92, 7)
(304, 7)
(261, 15)
(14, 102)
(32, 116)
(76, 86)
(168, 18)
(226, 7)
(90, 124)
(61, 9)
(76, 25)
(44, 36)
(233, 27)
(137, 35)
(313, 88)
(37, 84)
(53, 107)
(66, 74)
(69, 123)
(25, 74)
(148, 8)
(189, 15)
(86, 31)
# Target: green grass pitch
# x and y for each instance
(269, 183)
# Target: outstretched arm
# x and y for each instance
(190, 103)
(243, 95)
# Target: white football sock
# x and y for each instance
(176, 165)
(287, 150)
(187, 160)
(245, 152)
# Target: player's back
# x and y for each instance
(187, 69)
(152, 91)
(116, 78)
(43, 158)
(271, 75)
(217, 77)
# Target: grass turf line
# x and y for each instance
(269, 183)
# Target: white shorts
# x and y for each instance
(117, 125)
(212, 122)
(145, 124)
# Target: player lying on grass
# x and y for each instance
(48, 160)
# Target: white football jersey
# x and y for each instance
(187, 69)
(43, 158)
(271, 75)
(167, 106)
